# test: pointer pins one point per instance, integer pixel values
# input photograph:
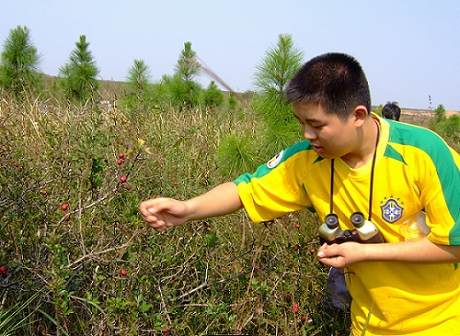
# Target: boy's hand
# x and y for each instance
(162, 213)
(340, 255)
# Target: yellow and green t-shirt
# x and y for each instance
(415, 170)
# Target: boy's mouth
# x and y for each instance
(317, 149)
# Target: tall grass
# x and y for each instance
(215, 276)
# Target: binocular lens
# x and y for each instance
(331, 220)
(357, 218)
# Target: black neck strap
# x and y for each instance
(371, 188)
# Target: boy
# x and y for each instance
(352, 160)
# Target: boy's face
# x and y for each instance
(330, 136)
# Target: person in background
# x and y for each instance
(354, 161)
(392, 111)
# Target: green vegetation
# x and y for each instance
(19, 72)
(185, 92)
(79, 74)
(139, 78)
(448, 127)
(79, 259)
(272, 75)
(71, 231)
(212, 96)
(139, 93)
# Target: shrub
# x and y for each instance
(92, 267)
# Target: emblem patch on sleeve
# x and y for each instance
(276, 159)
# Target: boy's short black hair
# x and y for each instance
(391, 110)
(334, 80)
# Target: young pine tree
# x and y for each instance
(185, 91)
(213, 96)
(139, 82)
(440, 113)
(448, 127)
(187, 66)
(139, 78)
(79, 74)
(273, 73)
(19, 63)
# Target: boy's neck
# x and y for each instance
(366, 147)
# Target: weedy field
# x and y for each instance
(79, 260)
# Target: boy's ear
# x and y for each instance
(360, 114)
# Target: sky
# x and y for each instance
(409, 49)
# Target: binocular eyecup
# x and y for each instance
(364, 230)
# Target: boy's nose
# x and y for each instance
(308, 133)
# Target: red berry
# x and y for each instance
(106, 160)
(296, 247)
(4, 271)
(175, 183)
(64, 207)
(121, 155)
(297, 226)
(128, 187)
(123, 179)
(296, 308)
(303, 318)
(165, 330)
(119, 162)
(15, 164)
(44, 192)
(288, 298)
(123, 272)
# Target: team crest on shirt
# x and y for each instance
(276, 159)
(391, 210)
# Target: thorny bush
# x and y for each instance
(79, 255)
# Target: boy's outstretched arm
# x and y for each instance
(162, 213)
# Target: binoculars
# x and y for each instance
(365, 231)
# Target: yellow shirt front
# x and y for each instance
(415, 170)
